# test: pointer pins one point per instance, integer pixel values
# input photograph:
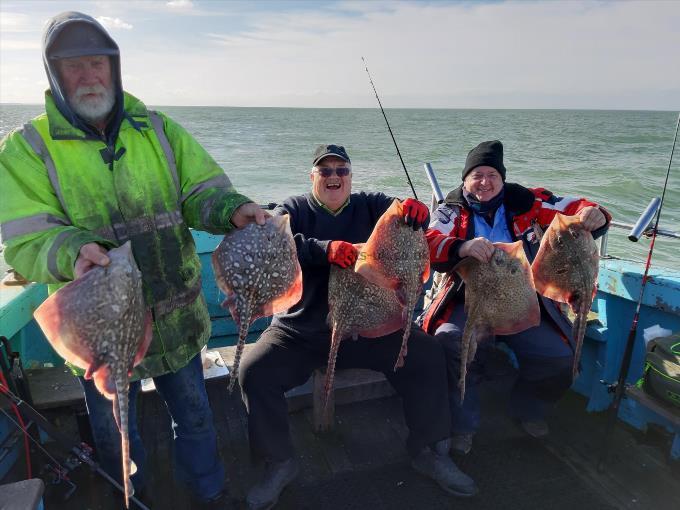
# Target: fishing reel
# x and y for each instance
(611, 386)
(57, 481)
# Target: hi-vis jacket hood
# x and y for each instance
(74, 34)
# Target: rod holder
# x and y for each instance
(436, 190)
(645, 220)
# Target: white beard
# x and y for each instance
(92, 110)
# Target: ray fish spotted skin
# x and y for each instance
(397, 257)
(357, 307)
(258, 270)
(565, 270)
(500, 299)
(101, 324)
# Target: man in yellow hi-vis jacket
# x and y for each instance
(98, 169)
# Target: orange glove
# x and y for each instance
(416, 214)
(342, 253)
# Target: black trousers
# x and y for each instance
(281, 360)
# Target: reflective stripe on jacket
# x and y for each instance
(76, 190)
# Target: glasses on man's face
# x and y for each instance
(342, 171)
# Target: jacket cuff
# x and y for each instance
(454, 251)
(222, 209)
(599, 232)
(320, 252)
(62, 256)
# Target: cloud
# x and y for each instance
(180, 4)
(580, 54)
(18, 45)
(15, 22)
(22, 30)
(435, 54)
(112, 23)
(211, 9)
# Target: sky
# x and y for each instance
(421, 54)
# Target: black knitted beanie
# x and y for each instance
(485, 154)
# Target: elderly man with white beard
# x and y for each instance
(87, 84)
(96, 170)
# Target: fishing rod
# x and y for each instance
(390, 130)
(82, 451)
(55, 466)
(620, 386)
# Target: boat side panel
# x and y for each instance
(619, 288)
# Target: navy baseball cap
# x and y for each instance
(323, 151)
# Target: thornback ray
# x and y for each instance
(357, 307)
(500, 299)
(565, 270)
(258, 270)
(100, 323)
(397, 257)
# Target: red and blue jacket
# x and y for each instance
(452, 224)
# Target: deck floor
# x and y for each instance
(363, 464)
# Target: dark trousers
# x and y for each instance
(281, 360)
(545, 365)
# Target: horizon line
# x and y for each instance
(2, 103)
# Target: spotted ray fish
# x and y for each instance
(257, 268)
(396, 257)
(500, 299)
(100, 323)
(357, 307)
(565, 270)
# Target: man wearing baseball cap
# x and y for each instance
(326, 223)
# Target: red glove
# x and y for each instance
(342, 253)
(416, 214)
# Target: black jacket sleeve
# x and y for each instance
(310, 251)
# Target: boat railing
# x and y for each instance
(647, 232)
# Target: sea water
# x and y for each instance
(616, 158)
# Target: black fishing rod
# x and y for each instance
(390, 130)
(82, 451)
(620, 386)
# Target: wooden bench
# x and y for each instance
(57, 387)
(352, 385)
(54, 387)
(672, 414)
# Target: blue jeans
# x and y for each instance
(196, 457)
(545, 364)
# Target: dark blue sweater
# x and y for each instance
(313, 228)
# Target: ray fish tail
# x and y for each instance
(579, 326)
(468, 349)
(411, 296)
(243, 325)
(330, 370)
(120, 410)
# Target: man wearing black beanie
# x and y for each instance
(485, 154)
(483, 210)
